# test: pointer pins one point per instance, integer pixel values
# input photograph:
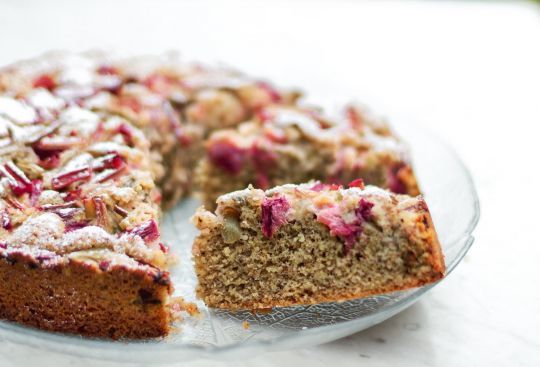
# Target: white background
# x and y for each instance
(470, 71)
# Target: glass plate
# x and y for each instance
(453, 202)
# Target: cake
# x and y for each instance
(294, 144)
(312, 243)
(94, 147)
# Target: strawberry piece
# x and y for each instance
(18, 182)
(357, 183)
(148, 230)
(274, 214)
(44, 81)
(66, 179)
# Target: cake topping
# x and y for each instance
(319, 186)
(67, 178)
(227, 156)
(45, 81)
(18, 182)
(395, 184)
(148, 231)
(5, 220)
(357, 183)
(273, 214)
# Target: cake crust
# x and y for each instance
(78, 297)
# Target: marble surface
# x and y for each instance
(466, 70)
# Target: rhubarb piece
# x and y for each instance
(67, 178)
(101, 213)
(37, 188)
(273, 214)
(148, 231)
(18, 182)
(120, 211)
(357, 183)
(55, 143)
(111, 173)
(48, 159)
(227, 156)
(113, 160)
(319, 186)
(334, 245)
(272, 92)
(333, 218)
(45, 81)
(5, 220)
(127, 133)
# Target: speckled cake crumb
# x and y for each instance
(326, 243)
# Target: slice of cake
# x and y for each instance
(311, 243)
(285, 144)
(175, 103)
(80, 248)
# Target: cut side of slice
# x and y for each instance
(312, 243)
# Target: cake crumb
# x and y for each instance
(245, 324)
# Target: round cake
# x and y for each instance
(93, 147)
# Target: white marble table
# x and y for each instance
(469, 71)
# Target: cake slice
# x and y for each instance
(80, 247)
(311, 243)
(286, 144)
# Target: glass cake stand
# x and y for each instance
(453, 202)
